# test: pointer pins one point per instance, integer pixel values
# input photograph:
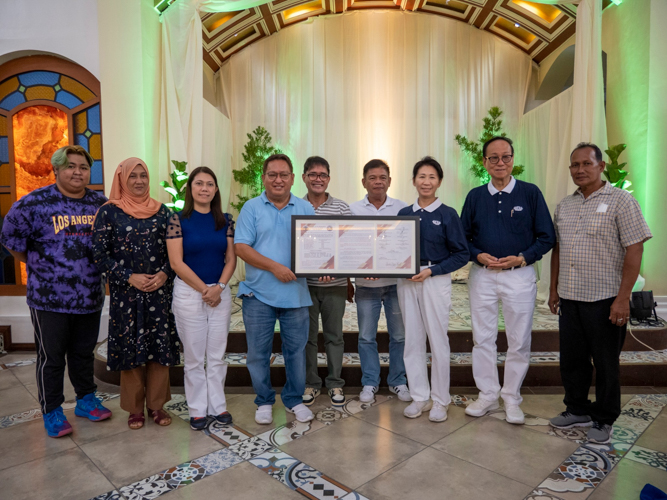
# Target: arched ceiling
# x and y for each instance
(537, 29)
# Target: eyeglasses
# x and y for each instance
(587, 165)
(314, 175)
(272, 176)
(494, 159)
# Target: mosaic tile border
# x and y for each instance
(16, 364)
(260, 450)
(583, 471)
(36, 414)
(456, 358)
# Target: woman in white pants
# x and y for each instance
(200, 242)
(425, 299)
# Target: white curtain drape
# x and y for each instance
(217, 153)
(375, 84)
(544, 145)
(182, 77)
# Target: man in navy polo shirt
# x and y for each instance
(271, 291)
(508, 227)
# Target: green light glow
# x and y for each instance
(617, 2)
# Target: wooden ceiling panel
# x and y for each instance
(537, 29)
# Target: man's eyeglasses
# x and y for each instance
(272, 176)
(314, 175)
(494, 159)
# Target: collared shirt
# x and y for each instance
(442, 241)
(269, 231)
(390, 207)
(593, 234)
(332, 206)
(512, 221)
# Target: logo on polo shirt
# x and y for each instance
(437, 222)
(518, 209)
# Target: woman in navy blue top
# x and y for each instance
(200, 242)
(425, 299)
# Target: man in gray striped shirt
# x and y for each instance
(328, 295)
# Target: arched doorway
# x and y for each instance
(45, 103)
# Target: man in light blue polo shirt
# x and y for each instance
(271, 291)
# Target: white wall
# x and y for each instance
(67, 28)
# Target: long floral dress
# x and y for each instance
(141, 324)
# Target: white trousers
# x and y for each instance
(517, 290)
(203, 332)
(425, 308)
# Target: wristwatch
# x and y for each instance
(222, 285)
(523, 263)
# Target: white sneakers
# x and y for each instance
(416, 408)
(514, 414)
(402, 392)
(264, 414)
(302, 413)
(481, 407)
(438, 412)
(367, 394)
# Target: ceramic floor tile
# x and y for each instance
(434, 475)
(250, 447)
(353, 495)
(27, 375)
(529, 459)
(368, 451)
(27, 442)
(148, 450)
(240, 482)
(291, 431)
(543, 405)
(626, 481)
(654, 458)
(69, 474)
(8, 380)
(390, 416)
(16, 399)
(86, 431)
(218, 461)
(655, 436)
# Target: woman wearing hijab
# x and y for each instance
(130, 248)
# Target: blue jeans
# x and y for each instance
(369, 303)
(260, 320)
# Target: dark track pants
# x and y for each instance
(587, 334)
(61, 338)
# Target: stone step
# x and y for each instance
(638, 368)
(461, 341)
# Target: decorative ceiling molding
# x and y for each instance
(536, 29)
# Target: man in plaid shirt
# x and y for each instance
(601, 233)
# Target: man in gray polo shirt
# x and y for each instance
(328, 295)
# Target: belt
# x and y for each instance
(487, 267)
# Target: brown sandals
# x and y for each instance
(136, 420)
(160, 417)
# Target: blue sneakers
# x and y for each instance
(56, 424)
(91, 408)
(224, 418)
(198, 423)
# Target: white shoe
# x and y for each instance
(368, 394)
(402, 392)
(416, 408)
(481, 407)
(302, 413)
(438, 413)
(514, 414)
(264, 414)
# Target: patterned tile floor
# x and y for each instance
(456, 358)
(459, 316)
(370, 434)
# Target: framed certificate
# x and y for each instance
(355, 246)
